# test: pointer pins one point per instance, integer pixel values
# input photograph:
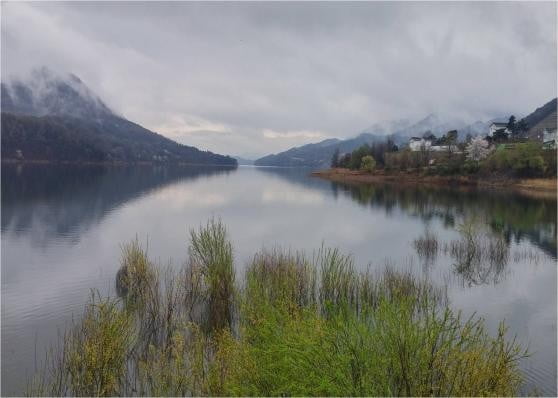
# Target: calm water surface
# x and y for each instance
(62, 227)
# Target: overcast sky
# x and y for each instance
(255, 78)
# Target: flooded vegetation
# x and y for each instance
(188, 306)
(295, 325)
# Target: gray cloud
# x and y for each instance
(256, 78)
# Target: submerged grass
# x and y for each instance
(294, 326)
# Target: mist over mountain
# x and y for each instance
(319, 155)
(55, 117)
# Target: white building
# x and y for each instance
(497, 126)
(549, 138)
(417, 144)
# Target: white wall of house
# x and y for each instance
(417, 145)
(549, 136)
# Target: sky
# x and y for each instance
(251, 79)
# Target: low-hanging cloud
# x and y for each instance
(257, 78)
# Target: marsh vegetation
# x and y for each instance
(293, 325)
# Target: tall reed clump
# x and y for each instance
(301, 326)
(93, 355)
(373, 334)
(211, 253)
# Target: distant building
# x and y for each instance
(427, 144)
(549, 138)
(547, 124)
(417, 143)
(497, 126)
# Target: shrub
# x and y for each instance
(368, 164)
(522, 160)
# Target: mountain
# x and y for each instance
(542, 118)
(319, 155)
(58, 118)
(310, 155)
(243, 161)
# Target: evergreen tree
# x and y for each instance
(335, 158)
(511, 124)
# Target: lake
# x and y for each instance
(62, 227)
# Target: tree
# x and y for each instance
(368, 163)
(521, 128)
(429, 136)
(335, 158)
(511, 124)
(500, 135)
(449, 140)
(357, 155)
(344, 161)
(477, 149)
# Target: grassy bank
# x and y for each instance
(293, 324)
(541, 186)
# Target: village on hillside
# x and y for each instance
(524, 148)
(544, 131)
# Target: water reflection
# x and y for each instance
(515, 216)
(57, 201)
(62, 227)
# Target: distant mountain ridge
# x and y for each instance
(58, 118)
(319, 155)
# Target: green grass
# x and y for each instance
(294, 325)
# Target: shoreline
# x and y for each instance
(118, 163)
(542, 187)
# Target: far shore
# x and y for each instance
(110, 163)
(541, 187)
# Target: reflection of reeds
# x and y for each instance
(480, 256)
(526, 255)
(426, 246)
(303, 327)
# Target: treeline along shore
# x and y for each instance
(521, 164)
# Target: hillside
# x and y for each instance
(542, 118)
(319, 155)
(52, 118)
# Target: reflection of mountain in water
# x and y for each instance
(516, 216)
(61, 200)
(295, 175)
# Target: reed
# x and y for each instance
(93, 354)
(211, 252)
(302, 326)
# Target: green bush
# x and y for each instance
(368, 164)
(521, 160)
(471, 167)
